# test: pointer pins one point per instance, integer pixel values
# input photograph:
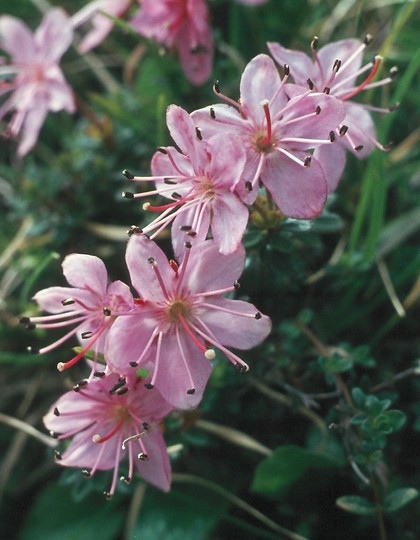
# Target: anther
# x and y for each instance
(343, 130)
(152, 261)
(99, 374)
(128, 174)
(86, 335)
(286, 68)
(185, 228)
(332, 136)
(318, 110)
(24, 320)
(212, 113)
(53, 434)
(117, 387)
(258, 316)
(122, 391)
(368, 39)
(236, 285)
(198, 134)
(307, 162)
(310, 84)
(393, 72)
(32, 350)
(134, 230)
(388, 146)
(146, 426)
(192, 234)
(188, 245)
(57, 455)
(191, 391)
(248, 186)
(216, 87)
(169, 181)
(86, 473)
(314, 42)
(337, 65)
(241, 368)
(326, 90)
(133, 364)
(67, 302)
(127, 195)
(108, 495)
(149, 386)
(143, 457)
(56, 411)
(162, 150)
(125, 479)
(394, 107)
(359, 147)
(106, 311)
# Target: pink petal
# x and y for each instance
(54, 36)
(229, 221)
(299, 192)
(301, 65)
(361, 130)
(333, 159)
(157, 470)
(86, 272)
(16, 39)
(182, 130)
(341, 50)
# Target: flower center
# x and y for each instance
(177, 308)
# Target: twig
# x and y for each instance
(28, 429)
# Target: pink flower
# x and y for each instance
(90, 305)
(277, 133)
(109, 419)
(200, 182)
(184, 315)
(251, 2)
(183, 25)
(101, 24)
(37, 84)
(337, 67)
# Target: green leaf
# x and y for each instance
(55, 515)
(355, 505)
(358, 397)
(188, 512)
(335, 364)
(399, 498)
(277, 473)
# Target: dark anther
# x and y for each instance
(326, 90)
(67, 302)
(107, 495)
(57, 455)
(127, 195)
(99, 374)
(343, 130)
(149, 386)
(191, 391)
(212, 113)
(151, 260)
(125, 479)
(24, 320)
(176, 195)
(143, 457)
(32, 350)
(192, 234)
(86, 335)
(53, 434)
(394, 107)
(185, 228)
(236, 285)
(76, 387)
(198, 134)
(248, 186)
(188, 245)
(393, 72)
(258, 316)
(286, 68)
(216, 87)
(388, 146)
(240, 368)
(122, 391)
(56, 412)
(134, 230)
(117, 386)
(332, 136)
(318, 110)
(133, 364)
(368, 39)
(170, 181)
(128, 174)
(359, 147)
(337, 65)
(314, 42)
(30, 326)
(86, 473)
(122, 380)
(162, 150)
(146, 426)
(310, 84)
(307, 162)
(106, 311)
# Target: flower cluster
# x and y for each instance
(150, 347)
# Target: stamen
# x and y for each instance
(68, 302)
(97, 439)
(377, 62)
(212, 113)
(127, 195)
(265, 105)
(158, 275)
(128, 174)
(198, 134)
